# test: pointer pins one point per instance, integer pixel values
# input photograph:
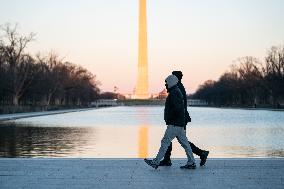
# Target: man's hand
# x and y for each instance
(187, 117)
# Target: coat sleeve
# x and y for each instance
(177, 103)
(182, 90)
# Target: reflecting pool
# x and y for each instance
(135, 132)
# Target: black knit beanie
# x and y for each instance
(178, 74)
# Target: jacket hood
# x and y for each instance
(171, 81)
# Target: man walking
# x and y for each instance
(174, 116)
(201, 153)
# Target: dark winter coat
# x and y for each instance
(174, 113)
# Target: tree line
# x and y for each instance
(250, 82)
(42, 80)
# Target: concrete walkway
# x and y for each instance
(134, 173)
(6, 117)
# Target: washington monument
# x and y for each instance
(141, 91)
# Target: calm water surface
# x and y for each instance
(135, 132)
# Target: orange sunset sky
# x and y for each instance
(200, 37)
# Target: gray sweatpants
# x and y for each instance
(172, 132)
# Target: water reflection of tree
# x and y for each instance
(23, 141)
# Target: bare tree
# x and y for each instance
(275, 61)
(20, 64)
(250, 77)
(52, 75)
(274, 73)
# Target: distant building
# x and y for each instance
(197, 102)
(162, 95)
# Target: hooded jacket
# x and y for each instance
(174, 113)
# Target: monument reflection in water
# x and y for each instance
(136, 132)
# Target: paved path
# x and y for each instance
(134, 173)
(6, 117)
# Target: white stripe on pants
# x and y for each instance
(171, 133)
